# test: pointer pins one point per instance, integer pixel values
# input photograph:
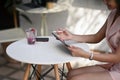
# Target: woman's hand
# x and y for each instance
(64, 34)
(78, 52)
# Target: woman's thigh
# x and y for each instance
(102, 75)
(82, 70)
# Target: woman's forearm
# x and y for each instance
(86, 38)
(112, 58)
(105, 57)
(93, 38)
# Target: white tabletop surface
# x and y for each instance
(57, 8)
(52, 52)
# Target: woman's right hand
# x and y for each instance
(64, 34)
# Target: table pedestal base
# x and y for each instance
(43, 27)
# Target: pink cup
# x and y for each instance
(31, 38)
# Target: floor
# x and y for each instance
(15, 71)
(10, 71)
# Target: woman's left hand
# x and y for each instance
(78, 52)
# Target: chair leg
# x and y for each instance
(15, 16)
(1, 50)
(4, 46)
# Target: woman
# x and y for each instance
(110, 31)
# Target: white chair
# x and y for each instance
(10, 35)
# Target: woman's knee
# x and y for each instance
(92, 76)
(69, 74)
(73, 73)
(76, 78)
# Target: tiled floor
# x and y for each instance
(10, 71)
(15, 71)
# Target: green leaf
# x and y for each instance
(8, 4)
(26, 18)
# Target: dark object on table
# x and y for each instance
(42, 39)
(35, 4)
(51, 1)
(32, 4)
(38, 3)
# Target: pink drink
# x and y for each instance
(30, 37)
(31, 41)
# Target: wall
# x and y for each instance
(86, 17)
(91, 12)
(54, 20)
(82, 17)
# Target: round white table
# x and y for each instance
(42, 53)
(59, 7)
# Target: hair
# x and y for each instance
(118, 3)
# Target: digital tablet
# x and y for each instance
(56, 36)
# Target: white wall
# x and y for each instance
(88, 13)
(84, 17)
(54, 20)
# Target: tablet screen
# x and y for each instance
(55, 35)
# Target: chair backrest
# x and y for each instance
(12, 34)
(8, 16)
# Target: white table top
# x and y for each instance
(57, 8)
(52, 52)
